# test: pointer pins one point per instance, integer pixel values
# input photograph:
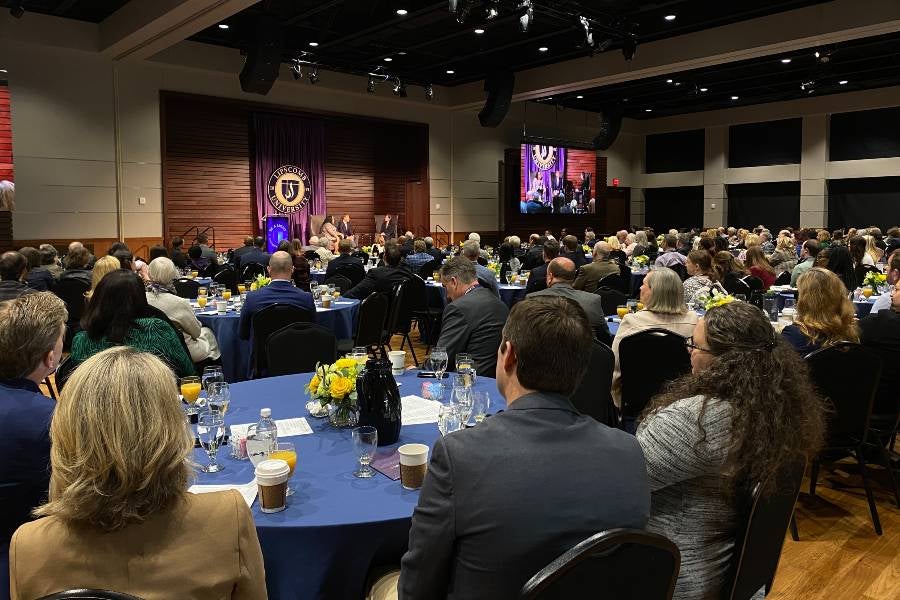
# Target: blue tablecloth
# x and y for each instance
(864, 307)
(336, 527)
(510, 294)
(341, 319)
(637, 280)
(318, 275)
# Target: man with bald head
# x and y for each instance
(560, 276)
(589, 275)
(281, 291)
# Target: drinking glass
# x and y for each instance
(360, 355)
(632, 305)
(202, 291)
(464, 361)
(210, 431)
(241, 288)
(741, 297)
(480, 404)
(622, 310)
(439, 361)
(211, 374)
(226, 294)
(201, 301)
(509, 275)
(213, 289)
(218, 396)
(337, 292)
(285, 451)
(365, 441)
(448, 418)
(190, 391)
(462, 399)
(770, 307)
(789, 303)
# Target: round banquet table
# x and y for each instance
(637, 280)
(340, 318)
(335, 526)
(863, 306)
(317, 275)
(510, 294)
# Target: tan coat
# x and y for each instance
(204, 548)
(589, 275)
(643, 320)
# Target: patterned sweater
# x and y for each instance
(149, 335)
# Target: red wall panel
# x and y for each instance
(6, 155)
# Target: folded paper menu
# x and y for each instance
(247, 490)
(388, 465)
(286, 428)
(418, 410)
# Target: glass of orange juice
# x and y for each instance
(640, 306)
(226, 294)
(241, 288)
(867, 292)
(622, 310)
(201, 291)
(201, 301)
(190, 391)
(286, 452)
(195, 274)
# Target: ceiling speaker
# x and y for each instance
(499, 88)
(263, 56)
(610, 124)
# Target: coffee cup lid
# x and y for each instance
(272, 472)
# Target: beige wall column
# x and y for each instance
(715, 198)
(813, 197)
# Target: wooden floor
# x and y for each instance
(839, 556)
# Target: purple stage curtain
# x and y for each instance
(283, 140)
(531, 168)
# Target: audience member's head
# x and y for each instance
(78, 258)
(560, 270)
(670, 242)
(571, 244)
(156, 252)
(726, 263)
(893, 273)
(345, 246)
(284, 246)
(506, 252)
(202, 239)
(471, 250)
(475, 237)
(13, 266)
(281, 265)
(103, 267)
(324, 242)
(700, 262)
(177, 243)
(640, 238)
(248, 240)
(119, 448)
(429, 242)
(708, 245)
(535, 324)
(296, 248)
(840, 262)
(810, 248)
(32, 256)
(823, 236)
(118, 300)
(825, 314)
(613, 242)
(551, 250)
(457, 276)
(601, 251)
(126, 259)
(116, 247)
(195, 252)
(31, 336)
(163, 272)
(663, 292)
(259, 242)
(515, 241)
(392, 254)
(49, 254)
(419, 246)
(314, 241)
(757, 258)
(857, 247)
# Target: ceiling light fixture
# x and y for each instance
(450, 72)
(314, 44)
(843, 82)
(527, 17)
(399, 88)
(402, 12)
(735, 97)
(704, 89)
(370, 86)
(588, 34)
(429, 92)
(580, 97)
(3, 70)
(677, 83)
(388, 59)
(817, 55)
(296, 69)
(648, 110)
(629, 47)
(669, 81)
(479, 31)
(785, 61)
(223, 26)
(669, 18)
(313, 75)
(543, 49)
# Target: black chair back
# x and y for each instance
(784, 278)
(592, 397)
(614, 281)
(625, 273)
(252, 270)
(354, 273)
(63, 372)
(643, 376)
(266, 322)
(409, 296)
(86, 594)
(610, 299)
(762, 523)
(373, 314)
(71, 291)
(298, 347)
(619, 256)
(625, 564)
(428, 269)
(226, 277)
(680, 269)
(186, 288)
(339, 281)
(311, 255)
(363, 256)
(847, 375)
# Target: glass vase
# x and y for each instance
(342, 415)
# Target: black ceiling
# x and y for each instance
(82, 10)
(863, 64)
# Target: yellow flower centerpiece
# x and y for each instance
(640, 261)
(874, 279)
(261, 281)
(717, 299)
(334, 386)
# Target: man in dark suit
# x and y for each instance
(281, 291)
(434, 252)
(346, 261)
(537, 280)
(247, 247)
(382, 279)
(473, 317)
(482, 528)
(534, 256)
(178, 255)
(573, 251)
(560, 275)
(254, 255)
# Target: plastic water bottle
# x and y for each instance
(266, 429)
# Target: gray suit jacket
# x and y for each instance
(591, 303)
(473, 324)
(503, 499)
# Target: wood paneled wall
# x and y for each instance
(207, 166)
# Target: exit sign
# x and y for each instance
(615, 182)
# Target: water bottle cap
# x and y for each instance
(265, 412)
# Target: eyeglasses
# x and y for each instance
(689, 342)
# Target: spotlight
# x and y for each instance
(670, 18)
(452, 5)
(17, 10)
(402, 12)
(588, 34)
(399, 88)
(429, 92)
(629, 47)
(462, 8)
(843, 82)
(223, 26)
(296, 69)
(370, 86)
(313, 75)
(808, 86)
(527, 17)
(491, 10)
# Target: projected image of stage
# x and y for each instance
(557, 180)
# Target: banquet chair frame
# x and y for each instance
(784, 278)
(851, 399)
(298, 348)
(614, 281)
(610, 299)
(370, 324)
(226, 277)
(409, 296)
(643, 379)
(627, 564)
(763, 521)
(186, 288)
(71, 291)
(89, 594)
(339, 281)
(352, 272)
(592, 396)
(266, 322)
(252, 270)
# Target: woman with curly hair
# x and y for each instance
(784, 258)
(825, 315)
(759, 266)
(746, 410)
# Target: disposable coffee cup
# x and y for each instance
(221, 306)
(788, 314)
(413, 464)
(271, 478)
(398, 361)
(326, 301)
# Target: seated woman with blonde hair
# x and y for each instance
(103, 267)
(119, 515)
(825, 315)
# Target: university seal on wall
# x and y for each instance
(544, 157)
(288, 189)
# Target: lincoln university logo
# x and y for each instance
(288, 189)
(544, 157)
